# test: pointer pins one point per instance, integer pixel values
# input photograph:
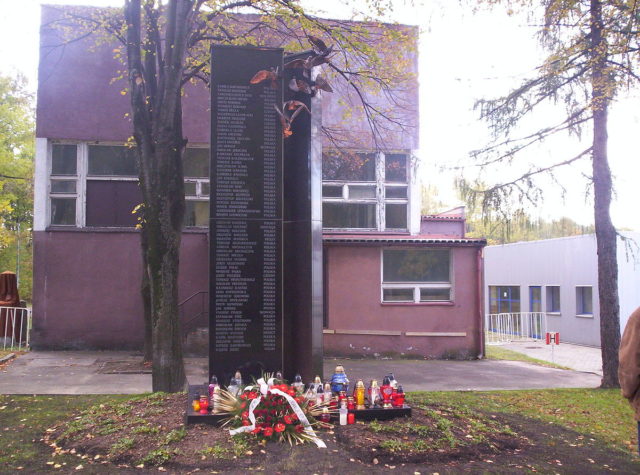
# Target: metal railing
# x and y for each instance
(15, 328)
(194, 312)
(507, 327)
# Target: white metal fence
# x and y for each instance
(15, 328)
(506, 327)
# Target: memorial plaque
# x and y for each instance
(246, 325)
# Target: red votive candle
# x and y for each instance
(351, 418)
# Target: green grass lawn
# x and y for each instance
(24, 420)
(493, 352)
(597, 413)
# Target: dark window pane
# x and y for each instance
(63, 186)
(362, 192)
(196, 162)
(63, 159)
(397, 295)
(584, 300)
(349, 166)
(395, 216)
(535, 299)
(416, 265)
(190, 188)
(112, 160)
(110, 203)
(395, 166)
(504, 299)
(63, 211)
(395, 192)
(332, 191)
(196, 213)
(348, 215)
(205, 189)
(553, 298)
(427, 295)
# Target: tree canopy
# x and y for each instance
(16, 186)
(593, 53)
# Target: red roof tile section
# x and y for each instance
(400, 238)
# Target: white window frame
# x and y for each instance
(379, 200)
(199, 182)
(416, 286)
(78, 178)
(82, 176)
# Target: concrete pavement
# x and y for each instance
(577, 357)
(113, 372)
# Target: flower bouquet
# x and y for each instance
(272, 411)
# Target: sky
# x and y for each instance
(464, 56)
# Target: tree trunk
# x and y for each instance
(145, 291)
(155, 90)
(606, 235)
(164, 215)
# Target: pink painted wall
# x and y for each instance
(86, 287)
(354, 303)
(79, 97)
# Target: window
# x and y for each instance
(112, 190)
(395, 168)
(63, 191)
(96, 185)
(112, 160)
(416, 275)
(349, 166)
(365, 191)
(535, 298)
(504, 299)
(584, 300)
(553, 299)
(196, 187)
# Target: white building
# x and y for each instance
(558, 277)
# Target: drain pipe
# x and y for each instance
(480, 299)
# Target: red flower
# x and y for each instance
(256, 430)
(243, 405)
(252, 395)
(299, 428)
(280, 427)
(287, 419)
(245, 415)
(246, 423)
(291, 392)
(267, 431)
(243, 396)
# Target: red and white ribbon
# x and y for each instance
(264, 388)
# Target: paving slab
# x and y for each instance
(82, 372)
(576, 357)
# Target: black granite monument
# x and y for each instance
(265, 224)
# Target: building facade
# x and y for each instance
(559, 278)
(393, 283)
